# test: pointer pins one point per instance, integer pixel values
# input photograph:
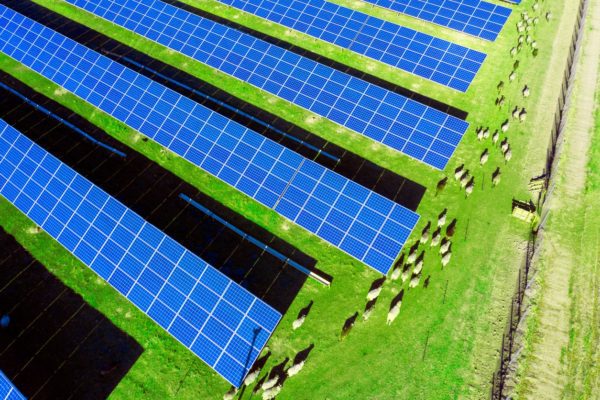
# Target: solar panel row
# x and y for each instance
(358, 221)
(418, 53)
(405, 125)
(474, 17)
(214, 317)
(7, 390)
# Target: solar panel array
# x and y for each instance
(7, 390)
(474, 17)
(419, 131)
(424, 55)
(360, 222)
(214, 317)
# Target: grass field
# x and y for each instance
(444, 343)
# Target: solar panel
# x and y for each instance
(7, 390)
(474, 17)
(403, 124)
(218, 320)
(418, 53)
(360, 222)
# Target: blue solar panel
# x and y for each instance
(358, 221)
(405, 125)
(7, 390)
(221, 322)
(474, 17)
(423, 55)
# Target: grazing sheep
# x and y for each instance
(269, 383)
(526, 91)
(486, 133)
(500, 86)
(271, 393)
(294, 369)
(451, 229)
(515, 113)
(436, 238)
(405, 273)
(495, 137)
(418, 267)
(445, 246)
(500, 103)
(395, 308)
(521, 39)
(298, 322)
(369, 308)
(374, 293)
(513, 52)
(425, 235)
(496, 177)
(523, 115)
(535, 6)
(480, 133)
(464, 180)
(484, 157)
(459, 171)
(442, 218)
(504, 145)
(528, 39)
(548, 16)
(520, 47)
(536, 21)
(414, 282)
(230, 393)
(446, 258)
(395, 274)
(520, 24)
(508, 155)
(412, 255)
(469, 188)
(534, 44)
(251, 377)
(505, 126)
(512, 76)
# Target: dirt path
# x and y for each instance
(549, 374)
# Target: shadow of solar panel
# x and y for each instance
(370, 110)
(7, 390)
(418, 53)
(376, 227)
(137, 259)
(474, 17)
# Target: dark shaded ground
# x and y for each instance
(153, 192)
(368, 174)
(56, 346)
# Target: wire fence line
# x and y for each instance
(510, 349)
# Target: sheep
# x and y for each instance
(548, 16)
(528, 39)
(418, 266)
(445, 246)
(535, 6)
(446, 258)
(536, 21)
(464, 180)
(441, 185)
(374, 293)
(395, 274)
(534, 44)
(412, 255)
(435, 239)
(230, 393)
(469, 188)
(269, 383)
(512, 76)
(525, 91)
(294, 369)
(251, 377)
(271, 393)
(484, 157)
(369, 308)
(298, 322)
(442, 218)
(459, 171)
(414, 282)
(500, 86)
(523, 115)
(496, 177)
(508, 155)
(504, 145)
(394, 308)
(405, 273)
(348, 325)
(495, 137)
(500, 103)
(451, 229)
(425, 235)
(521, 39)
(521, 29)
(513, 52)
(515, 113)
(486, 133)
(505, 126)
(480, 133)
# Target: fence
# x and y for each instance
(509, 352)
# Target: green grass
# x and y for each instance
(462, 312)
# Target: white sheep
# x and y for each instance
(298, 322)
(495, 137)
(393, 313)
(271, 393)
(459, 171)
(508, 155)
(442, 219)
(412, 256)
(486, 133)
(512, 76)
(294, 369)
(414, 282)
(446, 258)
(396, 274)
(484, 157)
(496, 177)
(515, 113)
(418, 267)
(436, 238)
(526, 91)
(269, 383)
(469, 188)
(405, 274)
(230, 394)
(251, 377)
(445, 246)
(504, 146)
(374, 293)
(513, 52)
(424, 236)
(505, 126)
(464, 180)
(523, 115)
